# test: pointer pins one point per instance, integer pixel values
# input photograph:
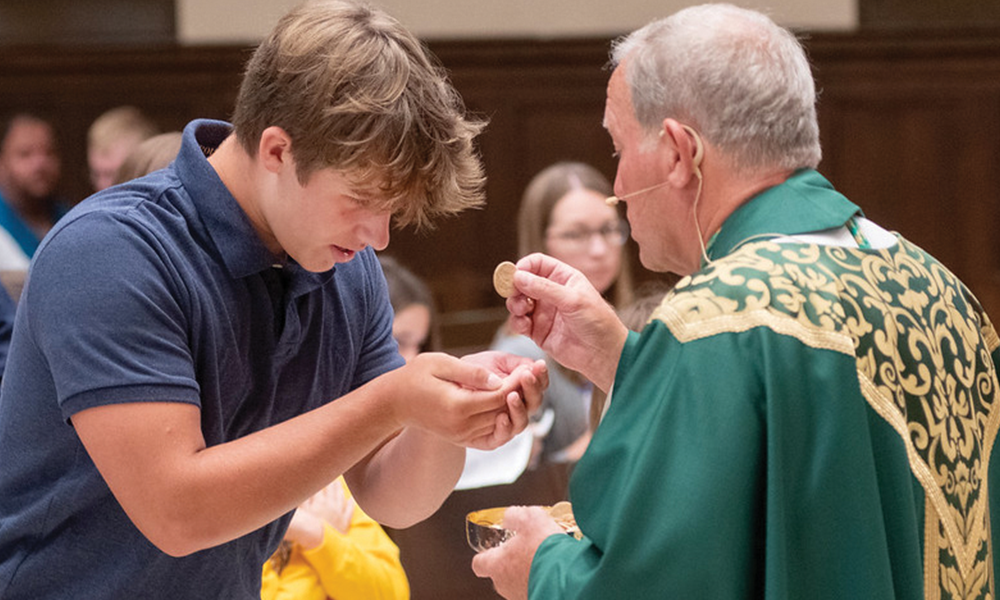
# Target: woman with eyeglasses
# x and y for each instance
(563, 213)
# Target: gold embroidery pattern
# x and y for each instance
(922, 345)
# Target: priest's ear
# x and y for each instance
(685, 141)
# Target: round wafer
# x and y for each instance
(503, 279)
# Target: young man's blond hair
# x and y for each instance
(356, 91)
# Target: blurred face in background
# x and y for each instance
(410, 328)
(104, 163)
(29, 162)
(587, 234)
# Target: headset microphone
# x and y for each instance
(613, 200)
(699, 154)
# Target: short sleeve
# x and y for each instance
(105, 309)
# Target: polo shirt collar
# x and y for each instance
(232, 232)
(804, 202)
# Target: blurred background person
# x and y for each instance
(111, 138)
(332, 549)
(414, 325)
(150, 155)
(563, 213)
(7, 308)
(29, 174)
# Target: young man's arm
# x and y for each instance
(381, 482)
(185, 496)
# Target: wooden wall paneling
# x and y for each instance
(909, 133)
(888, 161)
(909, 121)
(173, 85)
(976, 166)
(70, 22)
(908, 15)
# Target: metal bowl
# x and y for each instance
(484, 528)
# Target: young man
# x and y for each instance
(811, 412)
(199, 351)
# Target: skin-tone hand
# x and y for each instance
(379, 482)
(474, 421)
(455, 411)
(509, 564)
(529, 380)
(332, 505)
(305, 529)
(329, 505)
(557, 307)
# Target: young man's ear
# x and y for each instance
(275, 149)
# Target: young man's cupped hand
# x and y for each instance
(480, 401)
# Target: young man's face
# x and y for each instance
(29, 164)
(325, 221)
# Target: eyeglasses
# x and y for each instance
(612, 233)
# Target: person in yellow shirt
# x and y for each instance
(332, 549)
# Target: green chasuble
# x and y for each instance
(797, 421)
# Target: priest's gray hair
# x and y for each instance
(734, 75)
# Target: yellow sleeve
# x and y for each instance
(362, 564)
(297, 581)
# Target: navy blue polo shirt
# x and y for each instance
(160, 290)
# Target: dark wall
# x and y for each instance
(75, 22)
(910, 128)
(73, 86)
(910, 132)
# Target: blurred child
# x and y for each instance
(111, 138)
(150, 155)
(332, 549)
(414, 325)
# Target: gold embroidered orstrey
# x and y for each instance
(923, 351)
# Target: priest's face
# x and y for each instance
(661, 219)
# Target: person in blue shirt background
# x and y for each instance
(29, 174)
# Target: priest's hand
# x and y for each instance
(509, 564)
(558, 308)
